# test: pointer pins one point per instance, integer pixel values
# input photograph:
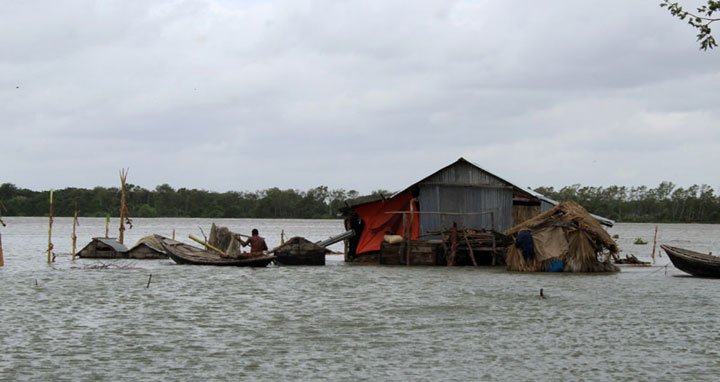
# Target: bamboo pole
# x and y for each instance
(206, 244)
(654, 243)
(123, 205)
(2, 262)
(50, 245)
(74, 237)
(107, 225)
(2, 223)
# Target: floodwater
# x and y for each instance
(347, 322)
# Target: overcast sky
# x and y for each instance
(246, 95)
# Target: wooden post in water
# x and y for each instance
(453, 244)
(123, 206)
(2, 261)
(654, 243)
(442, 235)
(107, 225)
(173, 234)
(492, 231)
(50, 245)
(410, 231)
(74, 237)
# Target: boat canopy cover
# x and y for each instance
(378, 221)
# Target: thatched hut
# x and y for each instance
(107, 248)
(565, 238)
(300, 251)
(148, 247)
(103, 248)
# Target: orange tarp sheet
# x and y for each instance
(377, 221)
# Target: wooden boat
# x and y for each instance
(183, 253)
(694, 263)
(300, 251)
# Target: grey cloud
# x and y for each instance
(352, 94)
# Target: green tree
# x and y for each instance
(701, 20)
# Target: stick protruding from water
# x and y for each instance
(74, 236)
(50, 244)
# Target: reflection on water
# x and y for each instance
(343, 321)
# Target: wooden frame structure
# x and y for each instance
(407, 226)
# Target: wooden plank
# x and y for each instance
(472, 254)
(466, 184)
(441, 213)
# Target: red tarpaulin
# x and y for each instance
(377, 221)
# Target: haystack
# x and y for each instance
(566, 233)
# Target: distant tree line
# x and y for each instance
(164, 201)
(666, 203)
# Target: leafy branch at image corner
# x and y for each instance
(701, 20)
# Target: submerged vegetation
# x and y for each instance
(665, 203)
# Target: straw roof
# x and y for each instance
(575, 213)
(150, 241)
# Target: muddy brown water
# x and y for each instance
(346, 321)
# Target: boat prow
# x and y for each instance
(694, 263)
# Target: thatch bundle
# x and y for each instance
(567, 233)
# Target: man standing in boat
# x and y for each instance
(257, 243)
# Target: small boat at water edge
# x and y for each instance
(183, 253)
(694, 263)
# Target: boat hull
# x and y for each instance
(183, 253)
(694, 263)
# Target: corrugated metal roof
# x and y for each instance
(112, 243)
(463, 160)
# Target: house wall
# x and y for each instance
(545, 206)
(465, 188)
(522, 213)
